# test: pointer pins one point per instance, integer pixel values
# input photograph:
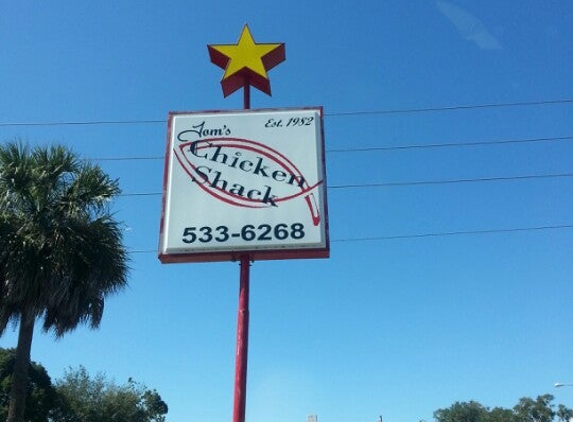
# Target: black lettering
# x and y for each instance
(234, 160)
(268, 198)
(218, 154)
(201, 131)
(193, 150)
(244, 164)
(252, 193)
(217, 180)
(198, 129)
(199, 170)
(260, 169)
(237, 189)
(279, 175)
(299, 179)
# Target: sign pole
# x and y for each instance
(242, 342)
(245, 64)
(247, 95)
(253, 167)
(240, 397)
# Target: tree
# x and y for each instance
(99, 400)
(61, 251)
(527, 410)
(77, 397)
(462, 412)
(564, 414)
(499, 414)
(538, 410)
(42, 399)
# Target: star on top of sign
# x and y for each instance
(246, 63)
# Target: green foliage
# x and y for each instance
(564, 414)
(499, 414)
(538, 410)
(527, 410)
(60, 248)
(61, 251)
(78, 397)
(462, 412)
(42, 402)
(96, 399)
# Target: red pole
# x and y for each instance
(240, 398)
(242, 343)
(247, 95)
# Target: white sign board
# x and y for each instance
(244, 182)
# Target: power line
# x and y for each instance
(156, 157)
(450, 108)
(451, 144)
(85, 123)
(414, 183)
(385, 148)
(139, 194)
(454, 233)
(428, 235)
(335, 114)
(450, 181)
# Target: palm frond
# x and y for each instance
(61, 251)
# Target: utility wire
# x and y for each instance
(449, 108)
(385, 148)
(157, 157)
(414, 183)
(427, 235)
(84, 123)
(450, 181)
(454, 233)
(335, 114)
(450, 144)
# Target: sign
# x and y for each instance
(247, 182)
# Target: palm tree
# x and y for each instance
(61, 250)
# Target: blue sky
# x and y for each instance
(399, 325)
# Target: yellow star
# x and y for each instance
(246, 63)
